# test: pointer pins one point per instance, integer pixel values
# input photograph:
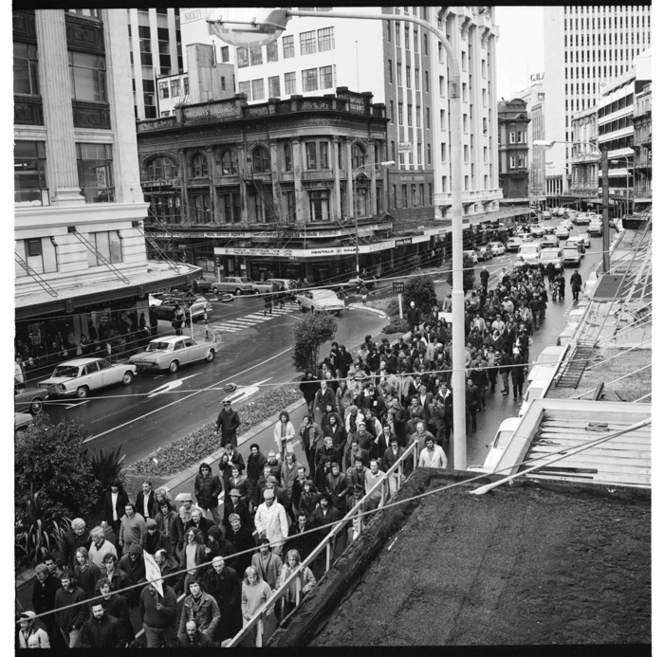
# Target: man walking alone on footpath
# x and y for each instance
(576, 283)
(414, 318)
(228, 422)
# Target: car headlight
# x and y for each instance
(61, 387)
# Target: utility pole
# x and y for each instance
(605, 211)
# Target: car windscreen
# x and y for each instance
(65, 370)
(158, 346)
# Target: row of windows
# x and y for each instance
(313, 79)
(41, 253)
(172, 88)
(617, 22)
(618, 124)
(589, 40)
(616, 105)
(95, 172)
(310, 42)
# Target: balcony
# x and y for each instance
(24, 198)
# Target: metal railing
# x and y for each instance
(258, 622)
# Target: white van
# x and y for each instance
(536, 390)
(547, 361)
(498, 445)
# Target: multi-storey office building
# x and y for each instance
(584, 190)
(585, 46)
(642, 146)
(80, 256)
(155, 50)
(513, 148)
(404, 67)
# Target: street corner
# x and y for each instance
(375, 311)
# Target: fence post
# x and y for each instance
(259, 631)
(298, 588)
(327, 556)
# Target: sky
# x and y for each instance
(520, 49)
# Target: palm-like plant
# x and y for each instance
(107, 466)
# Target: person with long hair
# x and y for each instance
(86, 573)
(255, 593)
(306, 577)
(284, 434)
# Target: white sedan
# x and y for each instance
(562, 232)
(82, 375)
(170, 352)
(320, 300)
(498, 248)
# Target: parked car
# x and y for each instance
(571, 254)
(29, 400)
(484, 253)
(554, 255)
(548, 359)
(236, 285)
(530, 253)
(497, 447)
(21, 423)
(537, 389)
(498, 248)
(80, 376)
(320, 300)
(537, 230)
(165, 302)
(595, 229)
(562, 232)
(170, 353)
(549, 241)
(513, 243)
(472, 254)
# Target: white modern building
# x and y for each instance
(585, 47)
(404, 67)
(155, 51)
(79, 246)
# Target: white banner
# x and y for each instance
(152, 572)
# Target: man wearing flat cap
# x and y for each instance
(228, 422)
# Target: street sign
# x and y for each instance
(398, 287)
(189, 297)
(404, 147)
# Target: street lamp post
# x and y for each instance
(389, 163)
(256, 32)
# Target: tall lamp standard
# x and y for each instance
(356, 170)
(605, 191)
(254, 32)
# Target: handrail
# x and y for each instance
(259, 617)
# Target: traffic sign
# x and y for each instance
(398, 287)
(189, 297)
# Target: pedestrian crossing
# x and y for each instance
(246, 321)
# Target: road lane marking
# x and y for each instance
(169, 386)
(193, 394)
(244, 392)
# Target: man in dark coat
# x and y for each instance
(43, 597)
(193, 637)
(576, 283)
(228, 422)
(133, 565)
(223, 584)
(207, 488)
(78, 536)
(298, 540)
(145, 501)
(235, 505)
(102, 630)
(309, 388)
(243, 539)
(414, 318)
(255, 462)
(115, 501)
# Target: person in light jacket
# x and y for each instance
(271, 521)
(284, 434)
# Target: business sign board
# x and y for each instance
(404, 147)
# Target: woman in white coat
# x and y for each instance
(284, 434)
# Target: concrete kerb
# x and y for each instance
(375, 311)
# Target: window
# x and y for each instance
(185, 86)
(310, 149)
(106, 243)
(175, 88)
(425, 43)
(223, 83)
(389, 71)
(290, 205)
(88, 13)
(326, 39)
(443, 152)
(426, 81)
(310, 79)
(290, 83)
(466, 153)
(30, 173)
(392, 111)
(417, 79)
(88, 76)
(521, 161)
(388, 27)
(272, 52)
(359, 156)
(245, 88)
(163, 90)
(521, 137)
(418, 113)
(410, 114)
(160, 168)
(400, 106)
(408, 76)
(464, 61)
(256, 55)
(464, 92)
(360, 201)
(200, 208)
(428, 118)
(323, 155)
(288, 45)
(312, 161)
(242, 57)
(95, 172)
(393, 151)
(319, 204)
(40, 254)
(512, 162)
(399, 82)
(273, 87)
(512, 138)
(428, 153)
(26, 69)
(397, 34)
(258, 89)
(326, 81)
(199, 166)
(225, 54)
(261, 160)
(404, 196)
(288, 157)
(229, 163)
(406, 33)
(231, 209)
(416, 41)
(308, 42)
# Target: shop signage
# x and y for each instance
(404, 147)
(403, 242)
(411, 178)
(188, 14)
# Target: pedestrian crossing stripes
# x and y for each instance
(246, 321)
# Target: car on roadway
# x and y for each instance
(571, 254)
(583, 218)
(165, 303)
(484, 253)
(236, 285)
(358, 281)
(472, 254)
(320, 300)
(170, 353)
(585, 238)
(572, 215)
(580, 243)
(537, 230)
(567, 223)
(498, 248)
(497, 447)
(595, 228)
(554, 255)
(549, 241)
(546, 215)
(81, 376)
(22, 421)
(267, 285)
(513, 243)
(530, 253)
(29, 400)
(562, 232)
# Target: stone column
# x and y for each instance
(58, 114)
(184, 178)
(242, 173)
(212, 173)
(298, 167)
(337, 185)
(127, 179)
(372, 181)
(349, 185)
(276, 184)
